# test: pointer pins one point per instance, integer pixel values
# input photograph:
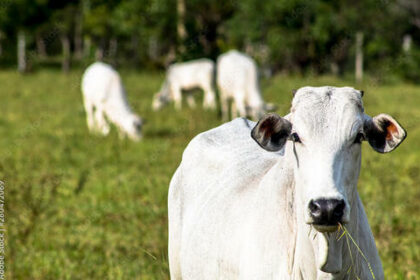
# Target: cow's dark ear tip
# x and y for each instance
(384, 133)
(271, 132)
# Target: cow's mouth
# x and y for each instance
(326, 228)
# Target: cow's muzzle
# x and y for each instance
(327, 214)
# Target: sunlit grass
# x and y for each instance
(86, 207)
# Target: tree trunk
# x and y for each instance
(1, 45)
(153, 48)
(99, 52)
(21, 51)
(180, 27)
(40, 46)
(113, 48)
(65, 64)
(335, 69)
(407, 42)
(78, 30)
(135, 48)
(87, 45)
(359, 57)
(170, 57)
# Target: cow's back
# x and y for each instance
(214, 185)
(235, 72)
(99, 80)
(191, 74)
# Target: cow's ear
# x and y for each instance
(271, 132)
(383, 133)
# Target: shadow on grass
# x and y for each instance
(164, 132)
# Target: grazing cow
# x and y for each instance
(186, 76)
(265, 201)
(237, 80)
(105, 100)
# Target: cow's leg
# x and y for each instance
(234, 109)
(190, 100)
(241, 108)
(224, 104)
(89, 108)
(101, 122)
(176, 96)
(209, 97)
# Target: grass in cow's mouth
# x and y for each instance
(349, 238)
(326, 228)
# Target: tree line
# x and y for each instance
(292, 36)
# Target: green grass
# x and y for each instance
(85, 207)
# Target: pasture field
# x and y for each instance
(80, 206)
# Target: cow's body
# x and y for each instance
(237, 211)
(232, 214)
(237, 80)
(105, 100)
(186, 76)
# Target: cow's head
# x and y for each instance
(325, 128)
(159, 101)
(132, 126)
(255, 112)
(161, 98)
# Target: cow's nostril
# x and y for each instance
(315, 208)
(339, 209)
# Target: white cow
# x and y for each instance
(105, 100)
(263, 201)
(237, 80)
(185, 76)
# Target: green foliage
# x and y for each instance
(408, 65)
(85, 207)
(149, 21)
(297, 36)
(97, 15)
(304, 34)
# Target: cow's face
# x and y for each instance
(132, 126)
(159, 100)
(325, 128)
(256, 112)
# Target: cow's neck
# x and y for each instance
(322, 254)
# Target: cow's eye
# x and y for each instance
(295, 137)
(359, 138)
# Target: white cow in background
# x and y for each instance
(105, 100)
(264, 201)
(185, 76)
(237, 80)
